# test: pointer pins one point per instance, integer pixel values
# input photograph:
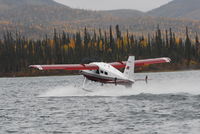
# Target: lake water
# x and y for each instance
(168, 104)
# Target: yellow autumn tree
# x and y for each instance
(101, 45)
(51, 43)
(72, 43)
(144, 43)
(65, 47)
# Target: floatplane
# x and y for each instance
(107, 73)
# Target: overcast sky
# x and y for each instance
(142, 5)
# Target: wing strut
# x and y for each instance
(83, 87)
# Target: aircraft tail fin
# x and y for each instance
(130, 67)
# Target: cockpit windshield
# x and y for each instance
(97, 71)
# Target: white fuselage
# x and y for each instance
(106, 74)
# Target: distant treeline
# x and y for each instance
(18, 52)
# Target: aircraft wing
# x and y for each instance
(117, 65)
(144, 62)
(66, 67)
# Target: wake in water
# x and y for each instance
(161, 83)
(63, 91)
(112, 90)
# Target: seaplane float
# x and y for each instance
(107, 73)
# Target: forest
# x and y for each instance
(17, 52)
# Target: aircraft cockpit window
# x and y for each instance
(97, 71)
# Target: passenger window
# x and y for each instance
(101, 71)
(106, 73)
